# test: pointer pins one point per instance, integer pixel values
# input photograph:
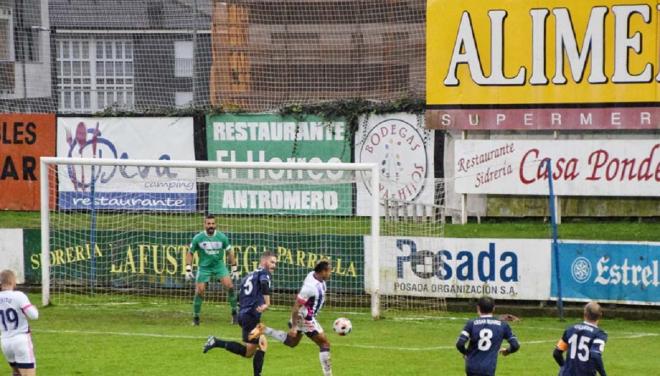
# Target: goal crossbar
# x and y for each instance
(45, 162)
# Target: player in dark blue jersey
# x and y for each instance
(485, 335)
(584, 345)
(253, 300)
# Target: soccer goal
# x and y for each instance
(118, 230)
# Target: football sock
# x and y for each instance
(258, 362)
(197, 305)
(277, 334)
(324, 357)
(236, 348)
(232, 300)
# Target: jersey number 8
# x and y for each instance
(484, 342)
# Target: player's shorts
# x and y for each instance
(309, 327)
(18, 351)
(206, 274)
(247, 323)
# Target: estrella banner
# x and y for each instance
(618, 272)
(542, 52)
(156, 259)
(274, 138)
(126, 187)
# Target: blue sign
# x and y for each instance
(620, 272)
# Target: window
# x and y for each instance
(6, 35)
(183, 59)
(94, 74)
(183, 98)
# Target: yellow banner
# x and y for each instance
(542, 52)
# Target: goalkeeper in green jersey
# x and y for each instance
(211, 247)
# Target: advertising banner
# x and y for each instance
(126, 188)
(586, 118)
(403, 149)
(273, 138)
(579, 167)
(550, 52)
(11, 251)
(619, 272)
(23, 139)
(462, 268)
(158, 257)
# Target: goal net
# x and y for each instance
(108, 238)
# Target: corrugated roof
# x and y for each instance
(128, 14)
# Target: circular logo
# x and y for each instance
(581, 269)
(399, 149)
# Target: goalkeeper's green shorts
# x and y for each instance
(206, 274)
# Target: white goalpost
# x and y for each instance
(117, 230)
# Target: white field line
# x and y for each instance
(359, 346)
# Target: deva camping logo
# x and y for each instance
(399, 149)
(90, 143)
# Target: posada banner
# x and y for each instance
(273, 138)
(579, 167)
(24, 138)
(461, 268)
(126, 187)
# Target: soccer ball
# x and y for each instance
(342, 326)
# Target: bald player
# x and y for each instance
(583, 344)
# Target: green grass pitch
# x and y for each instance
(157, 339)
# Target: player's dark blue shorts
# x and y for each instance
(248, 322)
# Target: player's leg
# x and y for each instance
(200, 287)
(324, 352)
(23, 354)
(259, 356)
(247, 323)
(316, 334)
(231, 294)
(279, 335)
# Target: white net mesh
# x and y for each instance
(118, 243)
(80, 56)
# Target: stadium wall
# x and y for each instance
(508, 269)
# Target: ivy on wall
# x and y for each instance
(349, 110)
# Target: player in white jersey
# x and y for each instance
(15, 338)
(308, 303)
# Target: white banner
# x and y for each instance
(579, 167)
(131, 188)
(11, 252)
(403, 149)
(462, 268)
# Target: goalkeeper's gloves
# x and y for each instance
(235, 274)
(189, 274)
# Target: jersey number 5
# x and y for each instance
(579, 347)
(9, 315)
(248, 286)
(485, 336)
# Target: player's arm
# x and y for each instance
(264, 286)
(189, 258)
(231, 260)
(463, 338)
(28, 309)
(294, 312)
(558, 353)
(511, 338)
(596, 354)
